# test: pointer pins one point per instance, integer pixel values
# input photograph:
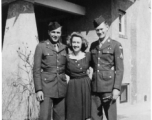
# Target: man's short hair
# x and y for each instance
(53, 26)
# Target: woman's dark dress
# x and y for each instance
(79, 92)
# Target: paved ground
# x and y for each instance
(140, 111)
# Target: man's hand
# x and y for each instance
(40, 96)
(115, 94)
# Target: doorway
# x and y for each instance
(44, 15)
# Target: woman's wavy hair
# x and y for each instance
(77, 34)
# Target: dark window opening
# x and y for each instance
(124, 93)
(122, 22)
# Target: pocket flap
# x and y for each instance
(107, 50)
(107, 75)
(48, 53)
(48, 77)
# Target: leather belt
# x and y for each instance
(78, 77)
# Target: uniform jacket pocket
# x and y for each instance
(107, 75)
(48, 53)
(108, 50)
(48, 77)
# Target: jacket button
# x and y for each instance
(98, 58)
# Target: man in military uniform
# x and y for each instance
(49, 74)
(107, 64)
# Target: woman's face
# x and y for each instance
(76, 44)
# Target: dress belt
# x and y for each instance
(78, 77)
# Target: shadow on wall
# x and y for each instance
(4, 17)
(71, 22)
(16, 10)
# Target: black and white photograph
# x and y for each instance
(76, 59)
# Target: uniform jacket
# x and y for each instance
(49, 69)
(107, 64)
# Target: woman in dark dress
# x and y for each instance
(78, 94)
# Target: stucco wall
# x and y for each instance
(136, 46)
(143, 51)
(18, 94)
(126, 40)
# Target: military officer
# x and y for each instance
(107, 64)
(49, 74)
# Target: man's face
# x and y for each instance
(102, 30)
(55, 34)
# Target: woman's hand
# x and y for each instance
(67, 78)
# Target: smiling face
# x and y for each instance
(102, 30)
(55, 34)
(76, 44)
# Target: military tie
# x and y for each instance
(56, 47)
(100, 45)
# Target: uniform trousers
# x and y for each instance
(99, 105)
(52, 105)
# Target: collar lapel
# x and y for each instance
(97, 45)
(106, 43)
(61, 47)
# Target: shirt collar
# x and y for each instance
(49, 42)
(102, 42)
